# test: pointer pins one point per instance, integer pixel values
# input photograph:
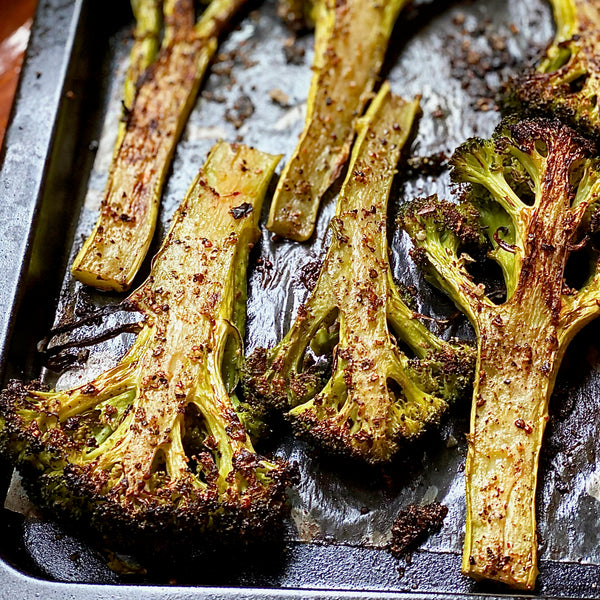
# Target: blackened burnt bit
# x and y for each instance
(241, 211)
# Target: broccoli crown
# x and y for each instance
(371, 395)
(155, 445)
(506, 183)
(567, 82)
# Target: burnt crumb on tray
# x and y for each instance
(414, 525)
(434, 164)
(226, 62)
(482, 60)
(291, 12)
(309, 274)
(293, 52)
(242, 109)
(279, 97)
(213, 97)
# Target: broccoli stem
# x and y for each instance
(408, 327)
(160, 434)
(187, 346)
(521, 345)
(375, 396)
(521, 341)
(163, 99)
(146, 43)
(351, 39)
(518, 358)
(509, 413)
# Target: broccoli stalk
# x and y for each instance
(375, 395)
(567, 81)
(146, 43)
(156, 444)
(351, 39)
(156, 113)
(533, 194)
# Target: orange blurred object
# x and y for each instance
(15, 23)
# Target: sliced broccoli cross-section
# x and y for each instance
(156, 447)
(533, 203)
(376, 395)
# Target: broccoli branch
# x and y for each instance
(445, 233)
(351, 39)
(521, 340)
(375, 395)
(163, 98)
(158, 443)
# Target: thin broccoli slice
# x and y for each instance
(567, 81)
(533, 194)
(157, 105)
(375, 396)
(351, 40)
(154, 450)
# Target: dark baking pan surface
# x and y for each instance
(52, 173)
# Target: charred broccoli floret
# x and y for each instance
(155, 450)
(532, 203)
(375, 395)
(567, 81)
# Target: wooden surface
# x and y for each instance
(15, 22)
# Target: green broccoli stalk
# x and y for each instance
(533, 194)
(156, 448)
(567, 81)
(375, 395)
(157, 103)
(146, 44)
(351, 39)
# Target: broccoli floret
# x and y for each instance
(154, 451)
(532, 203)
(375, 395)
(567, 81)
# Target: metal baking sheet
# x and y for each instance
(57, 151)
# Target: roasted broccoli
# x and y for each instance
(157, 105)
(532, 204)
(155, 450)
(375, 395)
(351, 40)
(567, 81)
